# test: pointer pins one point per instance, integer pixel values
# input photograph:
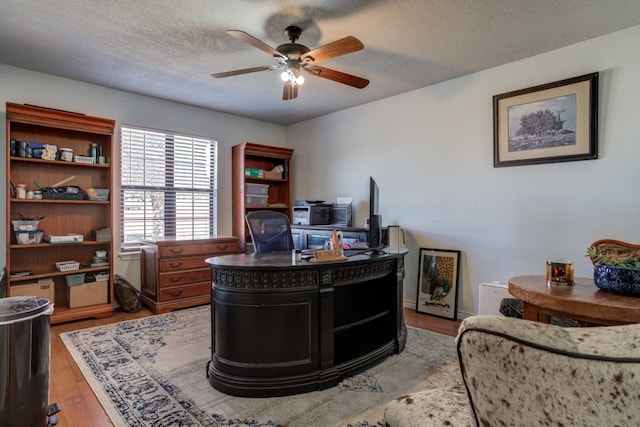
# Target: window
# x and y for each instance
(168, 186)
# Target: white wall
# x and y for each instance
(431, 153)
(28, 87)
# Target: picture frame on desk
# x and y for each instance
(553, 122)
(438, 277)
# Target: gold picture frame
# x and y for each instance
(553, 122)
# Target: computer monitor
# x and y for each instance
(375, 219)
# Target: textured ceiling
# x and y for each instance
(168, 49)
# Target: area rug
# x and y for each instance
(152, 372)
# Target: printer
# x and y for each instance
(311, 212)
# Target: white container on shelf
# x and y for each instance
(21, 192)
(66, 154)
(256, 200)
(256, 189)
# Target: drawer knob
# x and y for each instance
(222, 248)
(172, 265)
(177, 251)
(175, 294)
(176, 279)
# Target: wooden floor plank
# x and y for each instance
(81, 408)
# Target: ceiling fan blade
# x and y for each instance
(337, 48)
(290, 91)
(244, 71)
(338, 76)
(248, 38)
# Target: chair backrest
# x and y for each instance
(270, 231)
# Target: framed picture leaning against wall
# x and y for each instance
(438, 279)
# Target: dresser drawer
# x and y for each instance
(185, 291)
(176, 278)
(207, 249)
(185, 263)
(175, 274)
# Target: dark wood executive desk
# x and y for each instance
(280, 328)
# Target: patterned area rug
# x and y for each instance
(152, 372)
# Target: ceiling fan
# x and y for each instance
(293, 57)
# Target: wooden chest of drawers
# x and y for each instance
(174, 274)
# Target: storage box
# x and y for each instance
(101, 277)
(44, 288)
(67, 265)
(97, 194)
(29, 237)
(23, 225)
(83, 159)
(52, 194)
(272, 175)
(87, 294)
(102, 234)
(253, 173)
(256, 189)
(255, 200)
(69, 192)
(74, 279)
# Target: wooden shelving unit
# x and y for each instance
(61, 217)
(264, 157)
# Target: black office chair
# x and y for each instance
(270, 231)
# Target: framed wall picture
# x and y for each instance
(438, 282)
(554, 122)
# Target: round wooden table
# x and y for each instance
(582, 301)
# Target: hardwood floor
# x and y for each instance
(80, 407)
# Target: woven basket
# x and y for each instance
(616, 249)
(619, 280)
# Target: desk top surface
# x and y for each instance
(283, 259)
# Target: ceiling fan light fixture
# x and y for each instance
(293, 57)
(289, 75)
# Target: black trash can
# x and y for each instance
(25, 348)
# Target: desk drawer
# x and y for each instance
(178, 292)
(185, 276)
(179, 263)
(207, 249)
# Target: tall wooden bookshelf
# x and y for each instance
(250, 155)
(61, 215)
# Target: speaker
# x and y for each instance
(395, 238)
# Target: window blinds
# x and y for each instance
(168, 186)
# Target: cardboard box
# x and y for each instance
(87, 294)
(44, 288)
(102, 234)
(272, 175)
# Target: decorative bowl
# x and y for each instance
(618, 280)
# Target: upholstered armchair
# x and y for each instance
(521, 373)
